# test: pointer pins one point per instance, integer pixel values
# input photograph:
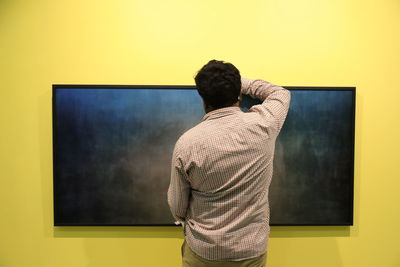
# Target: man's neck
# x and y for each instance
(208, 108)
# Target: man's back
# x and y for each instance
(221, 172)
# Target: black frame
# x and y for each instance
(192, 87)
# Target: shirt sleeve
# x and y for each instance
(276, 100)
(179, 188)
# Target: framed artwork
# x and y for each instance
(112, 148)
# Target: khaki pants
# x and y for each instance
(190, 259)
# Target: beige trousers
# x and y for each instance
(190, 259)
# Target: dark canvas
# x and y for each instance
(113, 146)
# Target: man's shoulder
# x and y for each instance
(191, 137)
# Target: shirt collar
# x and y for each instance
(221, 112)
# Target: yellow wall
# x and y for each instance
(289, 42)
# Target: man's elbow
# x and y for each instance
(176, 211)
(179, 216)
(287, 96)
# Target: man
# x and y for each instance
(222, 169)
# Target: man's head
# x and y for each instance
(219, 84)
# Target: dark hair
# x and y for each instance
(218, 83)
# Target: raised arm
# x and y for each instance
(276, 99)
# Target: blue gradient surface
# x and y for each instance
(114, 146)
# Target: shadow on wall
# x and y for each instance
(176, 232)
(310, 231)
(118, 232)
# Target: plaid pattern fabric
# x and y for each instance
(220, 175)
